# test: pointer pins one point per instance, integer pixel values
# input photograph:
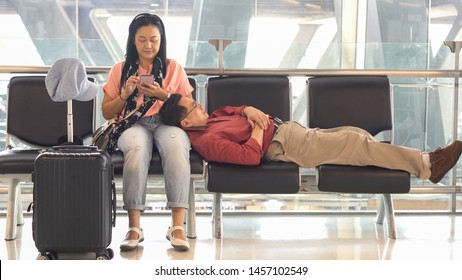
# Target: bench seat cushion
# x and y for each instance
(267, 178)
(362, 179)
(18, 161)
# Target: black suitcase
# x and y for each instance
(74, 202)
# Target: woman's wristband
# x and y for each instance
(122, 98)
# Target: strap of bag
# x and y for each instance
(128, 121)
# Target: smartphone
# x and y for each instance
(146, 79)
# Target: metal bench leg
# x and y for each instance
(390, 215)
(217, 215)
(19, 214)
(12, 209)
(191, 214)
(380, 212)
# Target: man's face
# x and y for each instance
(196, 115)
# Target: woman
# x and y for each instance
(123, 92)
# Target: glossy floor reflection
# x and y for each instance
(272, 237)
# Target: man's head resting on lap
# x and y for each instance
(183, 112)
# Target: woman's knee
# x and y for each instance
(135, 137)
(172, 140)
(136, 145)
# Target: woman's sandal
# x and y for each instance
(178, 244)
(130, 244)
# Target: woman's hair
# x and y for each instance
(131, 54)
(171, 113)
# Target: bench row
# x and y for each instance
(36, 120)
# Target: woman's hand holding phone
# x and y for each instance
(150, 87)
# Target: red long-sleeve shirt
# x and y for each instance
(226, 138)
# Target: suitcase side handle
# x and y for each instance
(75, 147)
(114, 199)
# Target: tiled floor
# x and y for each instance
(273, 237)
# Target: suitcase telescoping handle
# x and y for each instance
(70, 122)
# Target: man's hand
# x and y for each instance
(257, 134)
(255, 116)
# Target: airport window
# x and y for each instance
(267, 34)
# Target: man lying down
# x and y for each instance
(244, 135)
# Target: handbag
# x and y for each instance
(106, 136)
(102, 136)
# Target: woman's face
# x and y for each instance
(147, 42)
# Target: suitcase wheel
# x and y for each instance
(105, 255)
(47, 256)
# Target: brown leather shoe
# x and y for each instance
(442, 160)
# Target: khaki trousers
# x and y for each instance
(343, 145)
